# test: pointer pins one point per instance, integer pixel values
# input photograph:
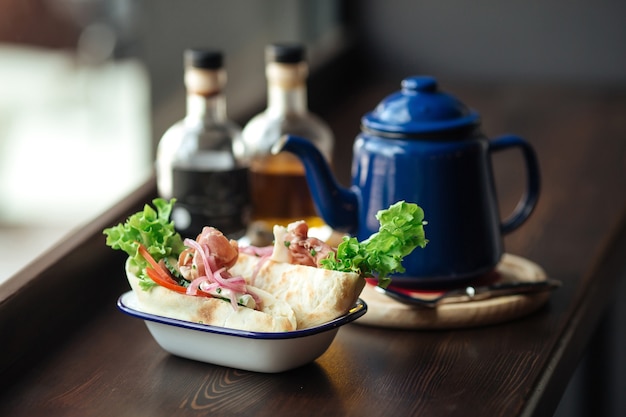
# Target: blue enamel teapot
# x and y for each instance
(424, 146)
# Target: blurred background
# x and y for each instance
(87, 87)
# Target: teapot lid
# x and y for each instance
(420, 108)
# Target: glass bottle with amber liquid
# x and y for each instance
(280, 193)
(197, 158)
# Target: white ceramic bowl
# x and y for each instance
(252, 351)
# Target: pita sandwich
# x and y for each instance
(316, 295)
(275, 315)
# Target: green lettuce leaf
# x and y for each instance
(401, 231)
(152, 228)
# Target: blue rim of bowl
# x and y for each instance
(358, 310)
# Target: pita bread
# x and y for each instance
(276, 315)
(316, 295)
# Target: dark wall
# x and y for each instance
(564, 41)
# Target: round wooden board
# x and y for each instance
(386, 312)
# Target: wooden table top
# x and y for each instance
(67, 350)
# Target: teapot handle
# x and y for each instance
(529, 199)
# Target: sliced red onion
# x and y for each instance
(257, 268)
(220, 278)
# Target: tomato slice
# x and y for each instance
(159, 274)
(169, 284)
(143, 251)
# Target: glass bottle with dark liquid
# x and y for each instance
(280, 193)
(197, 159)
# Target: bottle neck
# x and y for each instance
(286, 101)
(208, 109)
(205, 99)
(286, 88)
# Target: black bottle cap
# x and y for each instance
(204, 58)
(289, 53)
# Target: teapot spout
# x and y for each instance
(337, 205)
